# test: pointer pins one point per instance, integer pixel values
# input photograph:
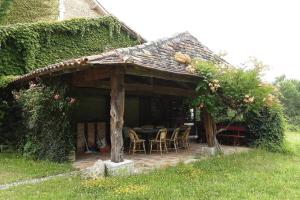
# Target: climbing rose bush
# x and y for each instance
(46, 118)
(226, 89)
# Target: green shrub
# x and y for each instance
(3, 109)
(292, 127)
(290, 98)
(266, 128)
(11, 127)
(46, 120)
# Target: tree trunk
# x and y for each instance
(116, 115)
(211, 130)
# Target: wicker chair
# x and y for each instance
(160, 141)
(184, 139)
(135, 142)
(174, 139)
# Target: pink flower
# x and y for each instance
(31, 84)
(15, 95)
(72, 100)
(56, 97)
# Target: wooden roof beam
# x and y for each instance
(92, 74)
(149, 72)
(134, 87)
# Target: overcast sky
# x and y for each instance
(266, 29)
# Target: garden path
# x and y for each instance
(33, 181)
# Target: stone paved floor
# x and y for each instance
(147, 162)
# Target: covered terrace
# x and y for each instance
(129, 87)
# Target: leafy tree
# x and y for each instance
(290, 98)
(226, 88)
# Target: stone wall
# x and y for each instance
(80, 8)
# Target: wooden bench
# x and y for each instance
(239, 130)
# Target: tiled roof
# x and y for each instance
(158, 55)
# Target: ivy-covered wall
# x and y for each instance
(4, 9)
(22, 11)
(24, 47)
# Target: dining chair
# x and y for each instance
(174, 139)
(160, 141)
(184, 139)
(135, 142)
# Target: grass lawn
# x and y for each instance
(253, 175)
(293, 140)
(14, 167)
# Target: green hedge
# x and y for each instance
(11, 128)
(29, 46)
(24, 11)
(266, 129)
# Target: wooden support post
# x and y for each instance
(117, 96)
